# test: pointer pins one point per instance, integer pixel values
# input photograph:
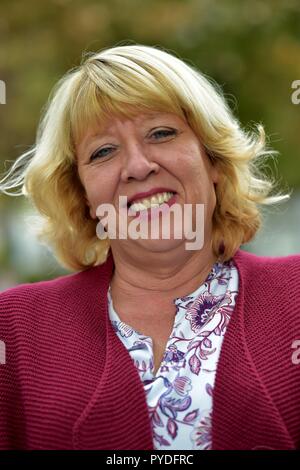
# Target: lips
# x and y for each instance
(153, 212)
(151, 192)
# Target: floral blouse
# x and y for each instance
(179, 396)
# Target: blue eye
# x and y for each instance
(165, 132)
(99, 154)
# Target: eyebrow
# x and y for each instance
(150, 117)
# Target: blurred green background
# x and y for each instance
(251, 48)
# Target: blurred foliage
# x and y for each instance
(251, 48)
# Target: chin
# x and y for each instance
(159, 245)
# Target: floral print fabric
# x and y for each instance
(180, 394)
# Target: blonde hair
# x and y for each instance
(117, 81)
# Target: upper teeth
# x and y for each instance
(153, 201)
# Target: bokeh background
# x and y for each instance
(250, 47)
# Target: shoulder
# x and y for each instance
(62, 297)
(249, 257)
(270, 285)
(32, 314)
(269, 282)
(64, 284)
(274, 267)
(29, 292)
(33, 302)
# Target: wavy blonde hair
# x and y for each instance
(123, 81)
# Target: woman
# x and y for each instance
(148, 344)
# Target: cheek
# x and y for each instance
(189, 158)
(100, 189)
(193, 169)
(97, 195)
(197, 177)
(89, 187)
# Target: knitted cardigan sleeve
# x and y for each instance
(13, 331)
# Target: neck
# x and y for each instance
(160, 277)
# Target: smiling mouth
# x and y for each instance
(152, 201)
(154, 209)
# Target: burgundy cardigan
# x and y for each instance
(69, 383)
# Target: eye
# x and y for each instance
(100, 153)
(164, 132)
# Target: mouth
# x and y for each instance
(154, 197)
(151, 204)
(160, 193)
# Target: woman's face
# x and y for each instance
(152, 150)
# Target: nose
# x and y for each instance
(136, 164)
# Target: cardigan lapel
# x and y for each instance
(244, 415)
(116, 416)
